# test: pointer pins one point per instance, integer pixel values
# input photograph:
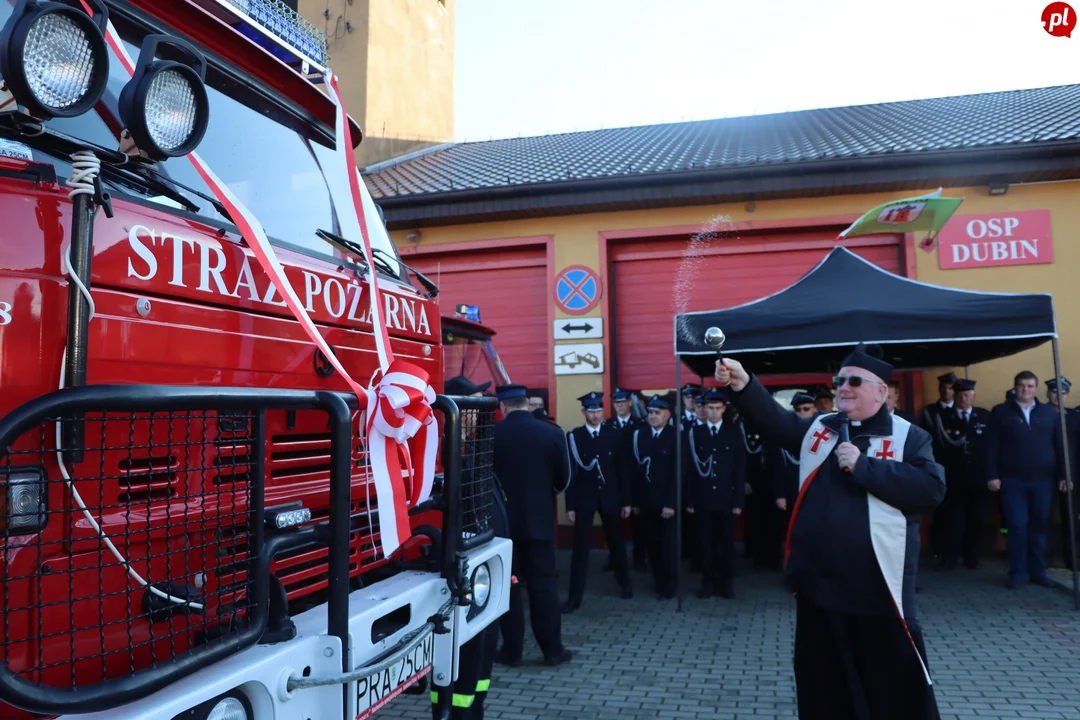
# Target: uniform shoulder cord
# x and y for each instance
(595, 464)
(746, 442)
(698, 465)
(945, 436)
(790, 459)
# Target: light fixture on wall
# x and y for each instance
(998, 188)
(413, 236)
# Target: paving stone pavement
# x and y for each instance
(994, 653)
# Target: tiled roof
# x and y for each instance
(989, 120)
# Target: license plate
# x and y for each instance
(374, 692)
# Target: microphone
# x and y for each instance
(845, 433)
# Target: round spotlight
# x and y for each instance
(53, 57)
(228, 709)
(165, 106)
(481, 586)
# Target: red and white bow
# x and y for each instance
(399, 411)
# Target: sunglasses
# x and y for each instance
(852, 380)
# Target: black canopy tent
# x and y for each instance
(810, 326)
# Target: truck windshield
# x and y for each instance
(269, 155)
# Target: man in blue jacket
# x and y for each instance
(853, 549)
(1025, 463)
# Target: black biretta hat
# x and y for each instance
(868, 357)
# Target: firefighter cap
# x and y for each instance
(508, 392)
(802, 399)
(658, 403)
(963, 385)
(619, 394)
(592, 401)
(1051, 384)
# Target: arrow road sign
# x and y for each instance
(579, 328)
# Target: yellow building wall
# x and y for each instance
(577, 243)
(395, 60)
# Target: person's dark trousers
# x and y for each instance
(490, 643)
(965, 523)
(534, 566)
(639, 534)
(859, 667)
(716, 534)
(946, 523)
(1027, 515)
(470, 661)
(579, 560)
(690, 549)
(662, 558)
(1063, 517)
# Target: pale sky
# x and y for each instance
(534, 67)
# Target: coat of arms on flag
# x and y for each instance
(924, 213)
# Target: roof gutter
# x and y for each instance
(756, 182)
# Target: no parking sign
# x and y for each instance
(577, 289)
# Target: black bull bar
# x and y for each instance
(148, 635)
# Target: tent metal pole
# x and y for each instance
(678, 484)
(1068, 478)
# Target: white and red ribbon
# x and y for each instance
(398, 406)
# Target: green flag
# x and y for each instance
(925, 213)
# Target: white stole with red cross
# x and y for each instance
(888, 526)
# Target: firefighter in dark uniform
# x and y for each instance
(654, 451)
(784, 473)
(759, 516)
(689, 394)
(625, 423)
(963, 455)
(595, 487)
(716, 494)
(476, 657)
(690, 549)
(939, 524)
(533, 465)
(1072, 430)
(823, 401)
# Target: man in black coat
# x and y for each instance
(532, 464)
(596, 486)
(624, 423)
(1026, 463)
(854, 544)
(1072, 431)
(654, 450)
(476, 658)
(784, 471)
(939, 526)
(691, 550)
(715, 494)
(963, 455)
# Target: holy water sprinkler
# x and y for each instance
(714, 338)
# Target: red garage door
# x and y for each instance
(510, 287)
(655, 279)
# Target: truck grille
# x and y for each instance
(477, 470)
(159, 492)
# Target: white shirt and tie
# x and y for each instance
(594, 431)
(714, 430)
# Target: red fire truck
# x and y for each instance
(187, 511)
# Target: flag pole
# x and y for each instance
(678, 484)
(1068, 476)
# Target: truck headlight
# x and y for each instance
(165, 106)
(481, 586)
(228, 709)
(22, 501)
(53, 57)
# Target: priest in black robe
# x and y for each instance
(867, 478)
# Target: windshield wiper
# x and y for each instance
(141, 182)
(431, 287)
(348, 246)
(146, 172)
